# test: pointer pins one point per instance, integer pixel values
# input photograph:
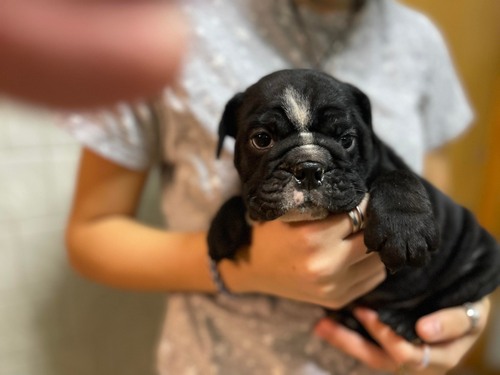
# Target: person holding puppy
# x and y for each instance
(268, 325)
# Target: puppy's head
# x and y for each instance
(303, 145)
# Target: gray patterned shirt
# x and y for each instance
(392, 53)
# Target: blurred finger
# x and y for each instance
(81, 54)
(441, 357)
(451, 323)
(400, 350)
(354, 345)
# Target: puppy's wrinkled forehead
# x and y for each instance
(297, 108)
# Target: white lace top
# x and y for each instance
(393, 54)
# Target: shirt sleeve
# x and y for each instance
(446, 111)
(126, 134)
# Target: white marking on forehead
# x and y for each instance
(297, 108)
(306, 138)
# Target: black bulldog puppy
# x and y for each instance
(305, 149)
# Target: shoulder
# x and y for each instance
(416, 28)
(125, 133)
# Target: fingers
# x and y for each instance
(442, 356)
(349, 257)
(345, 270)
(452, 323)
(371, 273)
(335, 295)
(341, 222)
(396, 353)
(339, 287)
(334, 257)
(400, 350)
(338, 226)
(354, 345)
(81, 54)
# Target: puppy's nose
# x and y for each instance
(309, 174)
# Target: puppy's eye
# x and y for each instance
(262, 140)
(347, 142)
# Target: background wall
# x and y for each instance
(472, 31)
(54, 323)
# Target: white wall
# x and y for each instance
(52, 322)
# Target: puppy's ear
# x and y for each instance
(227, 124)
(364, 104)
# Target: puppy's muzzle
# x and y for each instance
(309, 175)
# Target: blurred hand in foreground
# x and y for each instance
(78, 54)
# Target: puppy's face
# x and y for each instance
(303, 145)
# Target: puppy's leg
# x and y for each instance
(229, 230)
(400, 221)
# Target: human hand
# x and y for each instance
(78, 53)
(316, 261)
(447, 333)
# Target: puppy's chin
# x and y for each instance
(301, 214)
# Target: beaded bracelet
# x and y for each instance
(217, 278)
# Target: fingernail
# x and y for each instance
(362, 313)
(430, 328)
(324, 328)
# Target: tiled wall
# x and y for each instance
(52, 322)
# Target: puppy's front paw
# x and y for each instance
(402, 238)
(400, 223)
